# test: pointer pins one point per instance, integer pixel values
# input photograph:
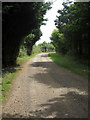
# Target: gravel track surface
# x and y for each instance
(45, 90)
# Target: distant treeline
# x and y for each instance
(43, 47)
(71, 35)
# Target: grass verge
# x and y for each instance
(70, 63)
(10, 73)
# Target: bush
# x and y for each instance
(22, 52)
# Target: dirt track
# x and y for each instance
(44, 90)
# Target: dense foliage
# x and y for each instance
(71, 36)
(19, 19)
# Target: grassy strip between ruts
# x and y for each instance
(70, 63)
(10, 73)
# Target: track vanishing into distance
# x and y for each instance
(44, 90)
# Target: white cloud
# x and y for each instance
(50, 26)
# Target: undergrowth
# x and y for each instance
(70, 63)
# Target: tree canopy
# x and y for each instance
(20, 19)
(72, 24)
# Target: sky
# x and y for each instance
(50, 25)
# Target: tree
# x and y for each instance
(50, 47)
(58, 41)
(18, 20)
(31, 39)
(73, 23)
(46, 47)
